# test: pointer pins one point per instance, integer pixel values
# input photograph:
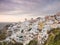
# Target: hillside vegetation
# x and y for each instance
(54, 37)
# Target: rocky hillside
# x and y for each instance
(39, 31)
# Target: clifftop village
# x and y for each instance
(28, 30)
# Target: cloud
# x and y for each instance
(35, 7)
(15, 10)
(26, 5)
(52, 8)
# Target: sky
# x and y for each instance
(18, 10)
